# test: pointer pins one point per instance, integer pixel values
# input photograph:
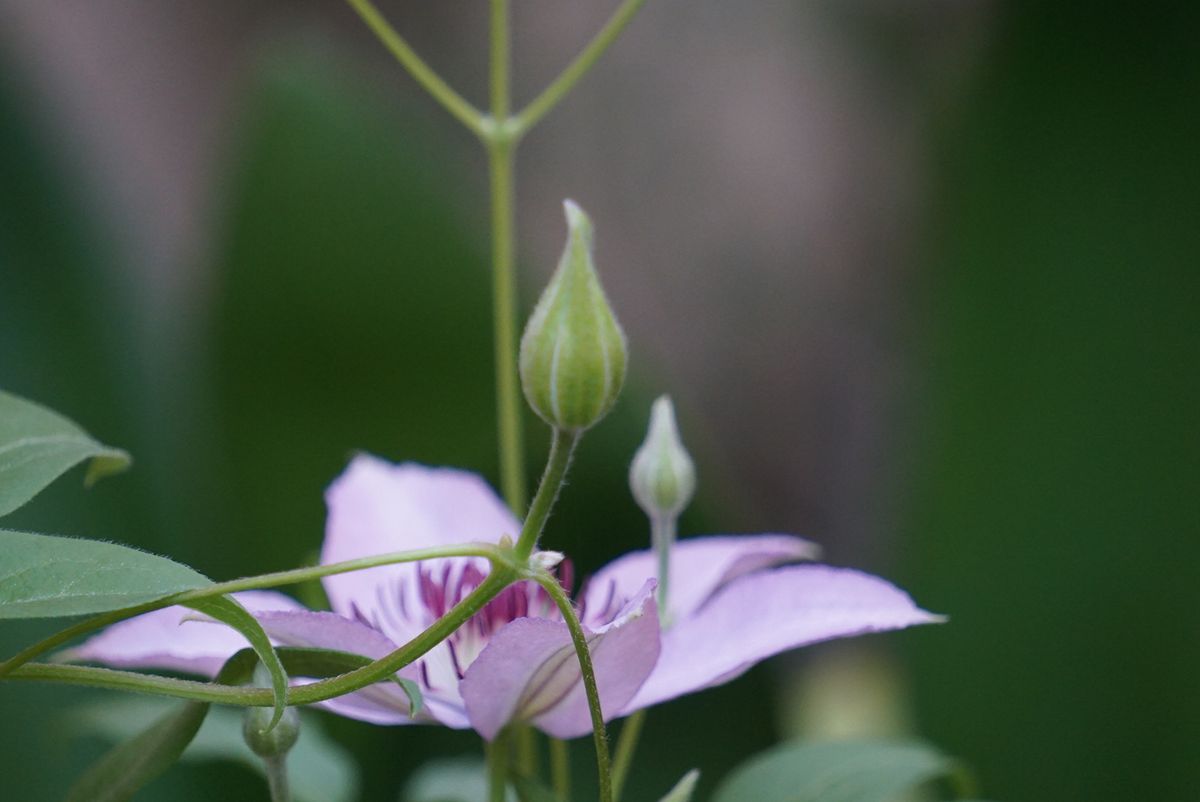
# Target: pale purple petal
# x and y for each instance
(529, 671)
(173, 638)
(376, 507)
(757, 616)
(699, 566)
(382, 703)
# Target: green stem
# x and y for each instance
(560, 769)
(441, 91)
(497, 765)
(375, 671)
(556, 91)
(525, 754)
(504, 320)
(562, 446)
(588, 673)
(627, 743)
(277, 778)
(500, 65)
(662, 536)
(271, 580)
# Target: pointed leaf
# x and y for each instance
(135, 762)
(44, 576)
(319, 769)
(683, 790)
(38, 445)
(840, 771)
(228, 611)
(146, 750)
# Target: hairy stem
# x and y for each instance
(271, 580)
(588, 672)
(562, 446)
(375, 671)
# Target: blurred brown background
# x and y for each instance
(920, 276)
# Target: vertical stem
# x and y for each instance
(662, 536)
(560, 769)
(497, 764)
(562, 446)
(525, 752)
(501, 158)
(501, 61)
(504, 317)
(588, 673)
(277, 779)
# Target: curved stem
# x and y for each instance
(562, 446)
(556, 91)
(271, 580)
(441, 91)
(627, 743)
(588, 672)
(375, 671)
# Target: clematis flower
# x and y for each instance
(735, 600)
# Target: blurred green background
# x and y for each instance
(964, 356)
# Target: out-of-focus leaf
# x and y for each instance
(530, 789)
(838, 771)
(319, 769)
(683, 790)
(462, 779)
(228, 611)
(38, 445)
(137, 760)
(44, 576)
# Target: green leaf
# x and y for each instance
(530, 789)
(839, 771)
(228, 611)
(38, 445)
(145, 752)
(319, 769)
(44, 576)
(136, 761)
(683, 790)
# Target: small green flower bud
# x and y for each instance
(573, 350)
(274, 742)
(662, 476)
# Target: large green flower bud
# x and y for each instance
(573, 350)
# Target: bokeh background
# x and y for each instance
(922, 278)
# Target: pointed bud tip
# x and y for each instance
(572, 360)
(662, 475)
